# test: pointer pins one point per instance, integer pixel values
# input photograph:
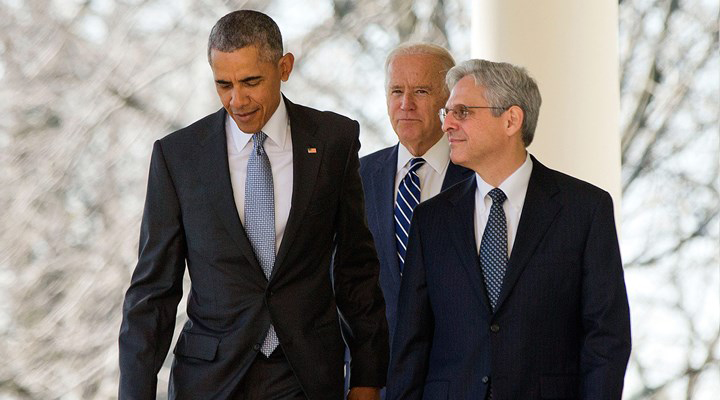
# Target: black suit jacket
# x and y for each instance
(378, 171)
(190, 218)
(561, 328)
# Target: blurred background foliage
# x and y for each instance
(86, 86)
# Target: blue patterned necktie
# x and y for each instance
(408, 197)
(260, 218)
(493, 248)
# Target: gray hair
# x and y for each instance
(406, 49)
(243, 28)
(505, 85)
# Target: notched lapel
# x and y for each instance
(215, 177)
(538, 213)
(383, 193)
(306, 164)
(463, 216)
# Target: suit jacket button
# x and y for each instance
(485, 379)
(256, 347)
(494, 328)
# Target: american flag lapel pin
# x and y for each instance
(312, 150)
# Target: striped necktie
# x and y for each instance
(260, 218)
(408, 197)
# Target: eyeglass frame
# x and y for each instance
(444, 111)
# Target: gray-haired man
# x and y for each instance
(513, 285)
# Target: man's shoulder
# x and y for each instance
(573, 187)
(380, 154)
(320, 117)
(580, 196)
(197, 130)
(336, 131)
(377, 156)
(380, 160)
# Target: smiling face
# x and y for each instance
(415, 92)
(249, 85)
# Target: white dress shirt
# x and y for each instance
(432, 174)
(278, 147)
(515, 188)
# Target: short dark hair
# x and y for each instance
(244, 28)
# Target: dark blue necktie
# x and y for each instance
(260, 218)
(408, 197)
(493, 248)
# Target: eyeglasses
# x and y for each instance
(461, 112)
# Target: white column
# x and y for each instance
(570, 48)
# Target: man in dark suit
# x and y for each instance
(256, 199)
(415, 91)
(513, 285)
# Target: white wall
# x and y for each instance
(570, 48)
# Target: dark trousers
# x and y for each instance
(270, 378)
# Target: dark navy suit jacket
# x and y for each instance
(561, 329)
(377, 171)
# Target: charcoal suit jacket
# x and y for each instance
(190, 218)
(561, 329)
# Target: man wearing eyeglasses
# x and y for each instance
(513, 285)
(397, 178)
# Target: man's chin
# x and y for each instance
(247, 126)
(457, 158)
(409, 134)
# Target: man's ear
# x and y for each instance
(285, 64)
(514, 120)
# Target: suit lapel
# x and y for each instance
(215, 177)
(461, 218)
(305, 170)
(455, 174)
(382, 198)
(538, 213)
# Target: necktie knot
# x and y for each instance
(416, 163)
(497, 196)
(258, 140)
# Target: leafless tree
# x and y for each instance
(86, 87)
(670, 88)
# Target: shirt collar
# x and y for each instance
(275, 129)
(514, 186)
(437, 156)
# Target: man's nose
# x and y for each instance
(408, 102)
(238, 98)
(450, 123)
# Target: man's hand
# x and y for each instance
(364, 393)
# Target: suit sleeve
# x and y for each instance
(151, 301)
(415, 324)
(355, 272)
(605, 312)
